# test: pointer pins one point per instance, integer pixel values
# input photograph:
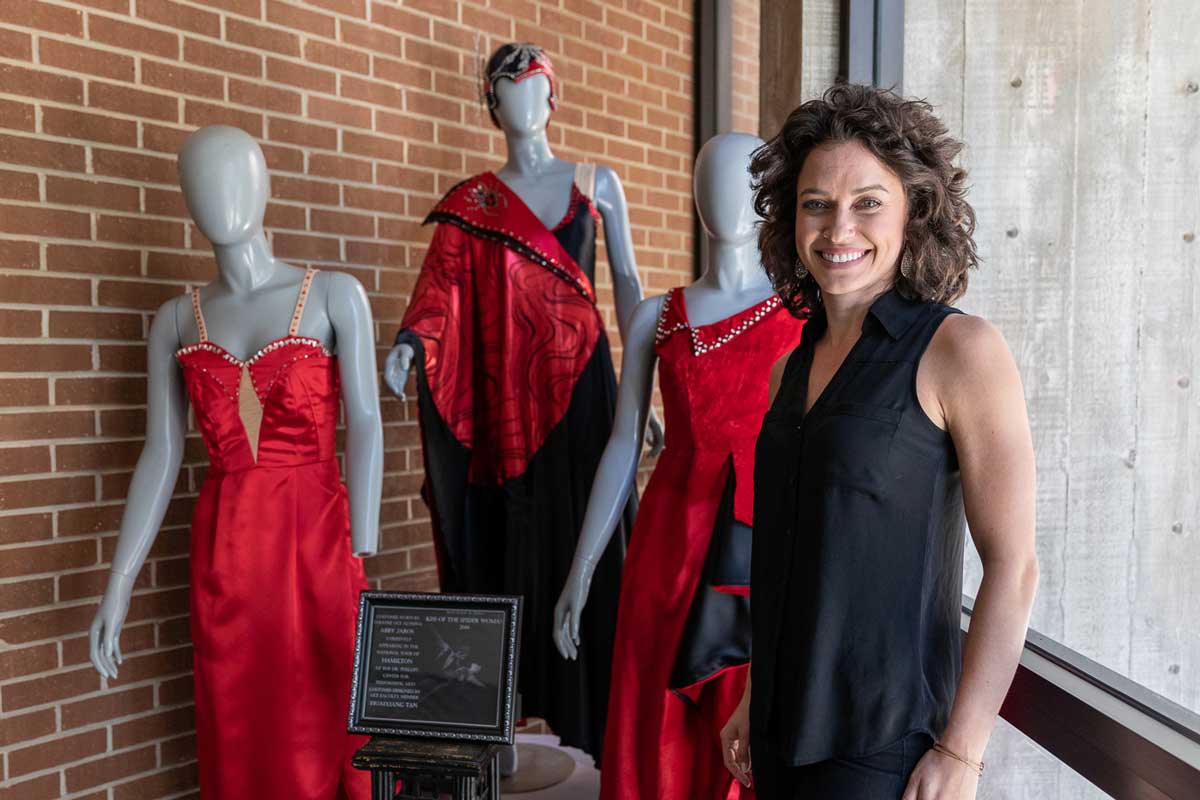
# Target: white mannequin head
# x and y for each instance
(519, 85)
(225, 183)
(721, 185)
(523, 108)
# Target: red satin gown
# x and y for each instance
(682, 645)
(275, 584)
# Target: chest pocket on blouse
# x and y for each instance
(849, 447)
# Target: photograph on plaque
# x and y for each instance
(435, 665)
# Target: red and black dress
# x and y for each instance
(683, 631)
(516, 393)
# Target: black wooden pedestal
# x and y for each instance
(427, 767)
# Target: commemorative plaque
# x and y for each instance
(435, 665)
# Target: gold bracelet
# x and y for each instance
(941, 748)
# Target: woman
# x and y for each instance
(895, 417)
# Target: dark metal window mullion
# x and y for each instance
(714, 89)
(872, 43)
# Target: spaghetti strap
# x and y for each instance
(294, 328)
(585, 179)
(199, 315)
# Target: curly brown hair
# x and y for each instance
(906, 136)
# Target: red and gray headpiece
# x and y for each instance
(517, 61)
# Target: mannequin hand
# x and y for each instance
(735, 742)
(104, 634)
(395, 369)
(569, 608)
(654, 434)
(939, 777)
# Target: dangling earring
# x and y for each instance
(906, 264)
(801, 270)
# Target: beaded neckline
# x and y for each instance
(737, 323)
(282, 341)
(573, 209)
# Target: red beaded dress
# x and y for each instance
(275, 584)
(683, 628)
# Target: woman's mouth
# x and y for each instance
(842, 258)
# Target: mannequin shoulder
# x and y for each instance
(343, 291)
(608, 186)
(166, 328)
(341, 283)
(610, 198)
(644, 319)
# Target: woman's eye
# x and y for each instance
(870, 202)
(813, 205)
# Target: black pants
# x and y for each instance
(879, 776)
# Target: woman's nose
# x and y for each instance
(841, 228)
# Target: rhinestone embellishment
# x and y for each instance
(485, 200)
(699, 345)
(275, 345)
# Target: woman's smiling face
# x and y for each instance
(851, 212)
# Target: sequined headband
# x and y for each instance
(520, 62)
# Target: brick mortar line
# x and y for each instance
(88, 601)
(99, 693)
(105, 686)
(105, 786)
(70, 375)
(13, 443)
(569, 14)
(262, 80)
(182, 283)
(302, 61)
(156, 217)
(77, 506)
(108, 752)
(59, 730)
(35, 476)
(79, 537)
(85, 6)
(305, 150)
(71, 340)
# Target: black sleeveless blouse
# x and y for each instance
(858, 547)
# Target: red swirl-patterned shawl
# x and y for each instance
(507, 321)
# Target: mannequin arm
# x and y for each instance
(151, 488)
(615, 475)
(618, 241)
(350, 313)
(627, 286)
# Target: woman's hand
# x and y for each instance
(735, 742)
(940, 777)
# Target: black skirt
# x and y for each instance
(519, 538)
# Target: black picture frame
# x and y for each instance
(441, 666)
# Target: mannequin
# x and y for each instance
(543, 182)
(273, 478)
(682, 631)
(515, 383)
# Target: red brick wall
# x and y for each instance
(367, 110)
